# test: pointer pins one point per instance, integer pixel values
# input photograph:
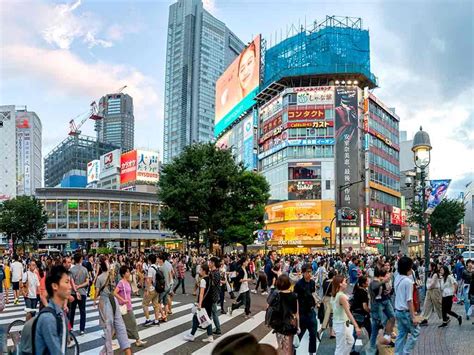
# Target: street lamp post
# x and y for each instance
(421, 150)
(194, 221)
(338, 220)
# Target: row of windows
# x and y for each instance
(384, 180)
(384, 164)
(383, 115)
(302, 152)
(384, 131)
(377, 143)
(384, 198)
(85, 214)
(311, 132)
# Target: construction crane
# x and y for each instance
(93, 114)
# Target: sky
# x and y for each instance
(56, 57)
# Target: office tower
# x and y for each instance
(199, 49)
(118, 123)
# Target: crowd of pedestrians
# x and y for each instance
(372, 297)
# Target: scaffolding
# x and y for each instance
(338, 45)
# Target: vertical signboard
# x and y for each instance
(347, 153)
(248, 142)
(128, 167)
(27, 163)
(147, 166)
(93, 169)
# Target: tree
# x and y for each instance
(446, 217)
(206, 182)
(246, 208)
(415, 214)
(23, 220)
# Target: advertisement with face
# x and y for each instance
(347, 152)
(237, 87)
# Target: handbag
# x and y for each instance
(203, 318)
(123, 309)
(296, 341)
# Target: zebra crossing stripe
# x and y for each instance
(245, 327)
(177, 340)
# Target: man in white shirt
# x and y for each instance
(30, 283)
(405, 315)
(150, 295)
(17, 273)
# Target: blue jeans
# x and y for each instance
(215, 318)
(381, 312)
(465, 296)
(407, 333)
(196, 325)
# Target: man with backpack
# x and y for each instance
(151, 295)
(47, 333)
(215, 281)
(166, 269)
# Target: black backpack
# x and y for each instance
(159, 280)
(27, 341)
(274, 312)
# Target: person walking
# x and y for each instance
(467, 275)
(110, 318)
(327, 290)
(433, 295)
(30, 286)
(407, 321)
(360, 306)
(2, 287)
(17, 274)
(180, 274)
(80, 276)
(215, 279)
(204, 301)
(123, 293)
(448, 290)
(150, 295)
(167, 269)
(241, 285)
(304, 290)
(48, 338)
(287, 325)
(342, 314)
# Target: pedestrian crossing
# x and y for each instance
(167, 338)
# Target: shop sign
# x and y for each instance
(271, 108)
(318, 95)
(397, 235)
(289, 242)
(315, 124)
(304, 185)
(376, 221)
(373, 241)
(314, 114)
(317, 141)
(270, 125)
(396, 216)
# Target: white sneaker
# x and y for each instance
(189, 337)
(208, 339)
(253, 291)
(229, 310)
(264, 293)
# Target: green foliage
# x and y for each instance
(102, 250)
(23, 220)
(446, 217)
(415, 214)
(206, 182)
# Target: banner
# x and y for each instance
(347, 153)
(436, 191)
(311, 114)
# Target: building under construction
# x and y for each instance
(70, 157)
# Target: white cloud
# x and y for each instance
(210, 5)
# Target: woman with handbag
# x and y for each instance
(289, 326)
(204, 303)
(109, 314)
(448, 290)
(326, 308)
(342, 315)
(433, 295)
(123, 293)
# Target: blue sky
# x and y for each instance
(58, 56)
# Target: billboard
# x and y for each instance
(347, 152)
(436, 190)
(271, 108)
(93, 170)
(304, 190)
(310, 114)
(396, 216)
(237, 87)
(147, 166)
(128, 167)
(109, 163)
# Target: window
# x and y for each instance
(72, 213)
(145, 225)
(94, 214)
(125, 215)
(83, 215)
(328, 184)
(114, 215)
(104, 214)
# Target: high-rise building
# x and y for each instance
(117, 125)
(20, 151)
(7, 152)
(72, 155)
(199, 48)
(28, 151)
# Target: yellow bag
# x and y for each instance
(92, 292)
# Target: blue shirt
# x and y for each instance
(47, 339)
(353, 273)
(458, 269)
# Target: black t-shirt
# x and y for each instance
(360, 297)
(289, 301)
(304, 290)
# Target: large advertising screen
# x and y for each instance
(109, 163)
(93, 169)
(128, 167)
(147, 166)
(347, 153)
(237, 87)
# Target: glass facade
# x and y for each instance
(101, 215)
